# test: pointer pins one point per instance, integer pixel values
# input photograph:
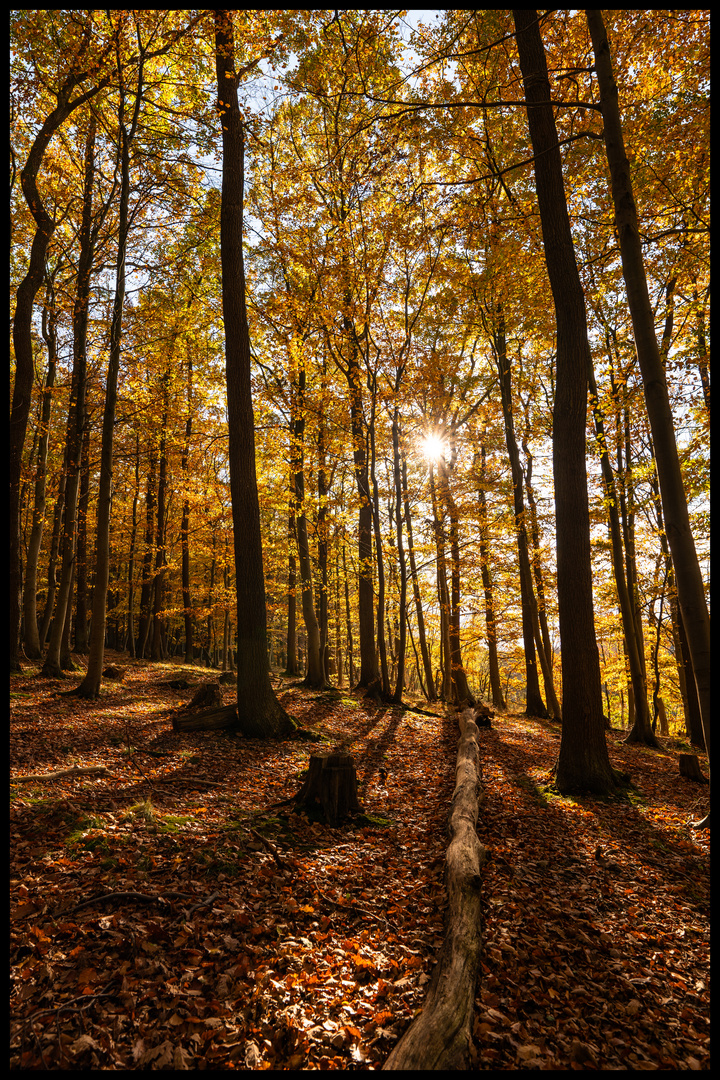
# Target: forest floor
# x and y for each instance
(166, 915)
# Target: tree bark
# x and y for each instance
(463, 694)
(424, 652)
(49, 329)
(315, 676)
(490, 623)
(260, 715)
(632, 646)
(77, 413)
(22, 321)
(534, 704)
(331, 782)
(583, 762)
(688, 577)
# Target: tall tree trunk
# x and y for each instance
(348, 619)
(22, 320)
(540, 624)
(402, 567)
(380, 561)
(188, 616)
(443, 594)
(632, 645)
(366, 625)
(424, 651)
(322, 534)
(291, 663)
(315, 676)
(159, 629)
(82, 585)
(52, 573)
(583, 762)
(688, 577)
(49, 329)
(534, 704)
(146, 588)
(260, 714)
(490, 623)
(462, 693)
(77, 413)
(131, 555)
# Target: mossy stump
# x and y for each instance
(332, 782)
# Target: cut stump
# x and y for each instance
(690, 768)
(332, 782)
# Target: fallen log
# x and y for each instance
(76, 770)
(440, 1037)
(207, 720)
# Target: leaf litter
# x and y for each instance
(170, 916)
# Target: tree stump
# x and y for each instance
(208, 695)
(332, 782)
(690, 768)
(112, 671)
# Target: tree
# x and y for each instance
(688, 578)
(85, 58)
(583, 762)
(260, 714)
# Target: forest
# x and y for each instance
(359, 539)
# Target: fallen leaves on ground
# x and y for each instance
(168, 916)
(596, 936)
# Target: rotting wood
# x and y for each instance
(76, 770)
(208, 720)
(332, 782)
(440, 1037)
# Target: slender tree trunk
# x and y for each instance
(380, 561)
(534, 704)
(32, 636)
(490, 623)
(583, 763)
(188, 617)
(422, 638)
(463, 694)
(291, 664)
(77, 413)
(348, 620)
(315, 676)
(402, 567)
(145, 621)
(632, 646)
(53, 560)
(131, 556)
(81, 561)
(158, 599)
(22, 321)
(542, 633)
(260, 714)
(322, 544)
(688, 577)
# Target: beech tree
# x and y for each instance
(583, 762)
(259, 712)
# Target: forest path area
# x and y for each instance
(167, 915)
